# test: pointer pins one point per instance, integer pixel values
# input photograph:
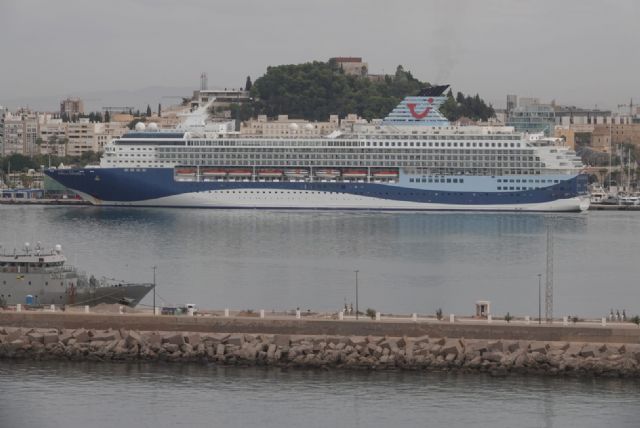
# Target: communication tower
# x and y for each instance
(548, 292)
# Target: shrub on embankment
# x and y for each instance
(498, 357)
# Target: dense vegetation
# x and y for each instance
(21, 163)
(315, 90)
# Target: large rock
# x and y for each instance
(194, 339)
(134, 338)
(106, 336)
(537, 346)
(281, 340)
(174, 339)
(50, 338)
(495, 346)
(589, 351)
(35, 337)
(495, 357)
(81, 336)
(235, 339)
(451, 347)
(14, 335)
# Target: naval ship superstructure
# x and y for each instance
(42, 277)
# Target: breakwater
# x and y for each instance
(370, 352)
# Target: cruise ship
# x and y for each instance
(413, 159)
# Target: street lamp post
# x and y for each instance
(539, 301)
(357, 294)
(154, 289)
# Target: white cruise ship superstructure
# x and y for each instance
(412, 160)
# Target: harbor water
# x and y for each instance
(53, 394)
(407, 262)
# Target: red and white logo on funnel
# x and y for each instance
(422, 114)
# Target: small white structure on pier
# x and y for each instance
(483, 309)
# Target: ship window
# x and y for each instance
(499, 188)
(462, 180)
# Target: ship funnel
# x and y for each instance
(58, 248)
(421, 109)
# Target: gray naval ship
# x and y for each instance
(36, 276)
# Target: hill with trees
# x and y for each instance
(315, 90)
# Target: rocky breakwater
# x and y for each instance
(498, 357)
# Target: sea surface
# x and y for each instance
(96, 395)
(407, 262)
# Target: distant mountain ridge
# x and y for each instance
(96, 100)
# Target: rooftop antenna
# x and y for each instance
(548, 292)
(203, 81)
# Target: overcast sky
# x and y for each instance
(582, 52)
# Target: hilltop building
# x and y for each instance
(351, 65)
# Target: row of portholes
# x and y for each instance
(357, 193)
(369, 193)
(46, 283)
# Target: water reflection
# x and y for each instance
(408, 262)
(103, 394)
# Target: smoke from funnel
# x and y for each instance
(447, 47)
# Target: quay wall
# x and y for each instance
(314, 326)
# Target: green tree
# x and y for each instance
(248, 84)
(315, 90)
(148, 111)
(18, 163)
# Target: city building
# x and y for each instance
(53, 136)
(283, 126)
(3, 113)
(222, 98)
(20, 131)
(82, 137)
(601, 139)
(532, 117)
(512, 102)
(71, 107)
(352, 66)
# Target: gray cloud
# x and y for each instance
(576, 51)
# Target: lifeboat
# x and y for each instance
(212, 172)
(354, 173)
(328, 173)
(296, 172)
(185, 171)
(385, 174)
(240, 172)
(270, 173)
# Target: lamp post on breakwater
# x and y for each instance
(154, 289)
(356, 271)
